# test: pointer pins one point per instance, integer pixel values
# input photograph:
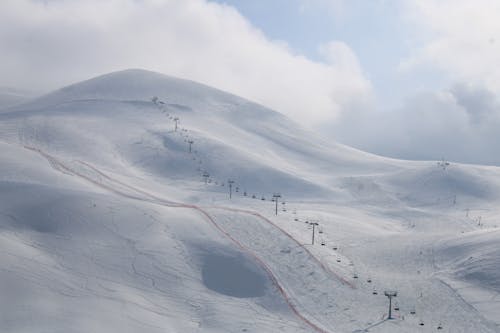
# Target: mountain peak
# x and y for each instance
(134, 84)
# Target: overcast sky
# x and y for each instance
(415, 79)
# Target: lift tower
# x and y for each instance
(275, 197)
(230, 182)
(390, 294)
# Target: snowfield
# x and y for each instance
(115, 215)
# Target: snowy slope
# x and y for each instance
(10, 97)
(107, 224)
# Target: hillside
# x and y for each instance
(10, 97)
(108, 222)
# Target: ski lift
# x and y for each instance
(355, 276)
(421, 323)
(296, 219)
(263, 199)
(253, 196)
(335, 248)
(369, 280)
(338, 260)
(323, 243)
(245, 193)
(237, 189)
(320, 231)
(440, 327)
(375, 292)
(396, 307)
(412, 311)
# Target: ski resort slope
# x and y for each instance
(115, 215)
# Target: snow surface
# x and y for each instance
(10, 97)
(106, 223)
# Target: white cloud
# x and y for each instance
(454, 47)
(52, 43)
(461, 38)
(460, 124)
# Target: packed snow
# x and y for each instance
(137, 202)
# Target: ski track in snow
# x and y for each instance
(122, 191)
(301, 286)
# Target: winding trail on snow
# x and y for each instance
(123, 189)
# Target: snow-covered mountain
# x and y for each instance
(115, 218)
(11, 96)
